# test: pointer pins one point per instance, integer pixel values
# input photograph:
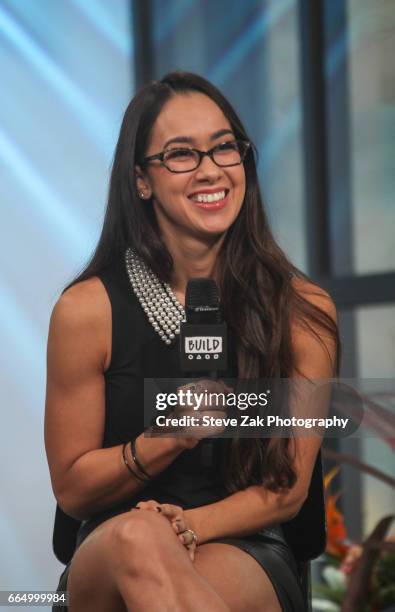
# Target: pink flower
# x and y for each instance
(351, 558)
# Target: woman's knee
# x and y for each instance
(92, 576)
(118, 546)
(140, 530)
(100, 552)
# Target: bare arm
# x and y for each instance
(85, 477)
(248, 511)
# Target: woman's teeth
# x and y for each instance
(209, 197)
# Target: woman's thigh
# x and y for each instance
(141, 546)
(234, 574)
(237, 578)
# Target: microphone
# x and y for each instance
(203, 340)
(203, 337)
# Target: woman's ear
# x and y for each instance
(143, 188)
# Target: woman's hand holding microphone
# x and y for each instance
(215, 409)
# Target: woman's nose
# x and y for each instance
(208, 168)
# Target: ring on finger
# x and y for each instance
(193, 534)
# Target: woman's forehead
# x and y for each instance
(193, 115)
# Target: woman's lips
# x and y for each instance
(212, 205)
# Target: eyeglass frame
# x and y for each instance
(209, 153)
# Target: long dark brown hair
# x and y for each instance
(258, 297)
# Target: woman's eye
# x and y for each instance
(179, 154)
(228, 146)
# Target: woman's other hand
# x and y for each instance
(175, 514)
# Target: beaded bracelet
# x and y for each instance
(129, 467)
(135, 459)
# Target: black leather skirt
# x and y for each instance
(273, 554)
(270, 550)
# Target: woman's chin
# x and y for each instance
(213, 230)
(215, 226)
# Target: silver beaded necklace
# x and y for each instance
(164, 311)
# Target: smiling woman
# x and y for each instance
(184, 202)
(197, 191)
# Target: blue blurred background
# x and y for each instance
(317, 98)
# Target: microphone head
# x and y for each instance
(202, 301)
(201, 292)
(203, 337)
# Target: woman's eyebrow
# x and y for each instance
(190, 140)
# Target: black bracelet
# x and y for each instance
(128, 466)
(137, 462)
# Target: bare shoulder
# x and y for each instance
(83, 314)
(316, 295)
(85, 302)
(313, 340)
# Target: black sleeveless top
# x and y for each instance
(137, 353)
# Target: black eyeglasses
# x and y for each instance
(186, 159)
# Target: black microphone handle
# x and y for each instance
(207, 452)
(207, 444)
(211, 374)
